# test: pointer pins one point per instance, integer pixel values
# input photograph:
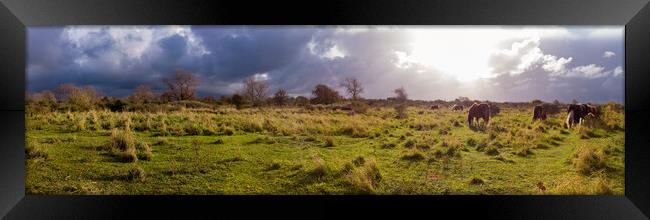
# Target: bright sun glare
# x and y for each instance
(463, 52)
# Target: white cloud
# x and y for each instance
(553, 64)
(618, 71)
(261, 76)
(609, 54)
(607, 32)
(525, 55)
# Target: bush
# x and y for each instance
(32, 152)
(579, 185)
(122, 140)
(414, 155)
(320, 170)
(145, 151)
(523, 152)
(274, 165)
(409, 143)
(123, 145)
(491, 151)
(135, 174)
(329, 142)
(476, 181)
(588, 160)
(471, 142)
(364, 178)
(228, 131)
(359, 107)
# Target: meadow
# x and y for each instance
(316, 150)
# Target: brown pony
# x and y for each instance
(434, 107)
(457, 108)
(478, 111)
(539, 113)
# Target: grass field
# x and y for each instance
(311, 151)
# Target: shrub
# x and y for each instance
(145, 151)
(329, 142)
(359, 107)
(274, 165)
(32, 152)
(388, 145)
(194, 129)
(476, 181)
(523, 152)
(413, 155)
(135, 174)
(122, 140)
(228, 131)
(123, 145)
(320, 170)
(360, 160)
(491, 151)
(365, 178)
(409, 143)
(579, 185)
(588, 160)
(471, 142)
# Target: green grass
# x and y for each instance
(302, 151)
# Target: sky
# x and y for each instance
(496, 63)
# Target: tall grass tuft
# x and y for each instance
(588, 160)
(123, 145)
(365, 177)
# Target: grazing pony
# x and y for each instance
(478, 111)
(434, 107)
(457, 108)
(539, 113)
(577, 112)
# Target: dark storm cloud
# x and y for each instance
(116, 59)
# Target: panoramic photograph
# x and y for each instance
(325, 110)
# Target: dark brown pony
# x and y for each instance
(478, 111)
(434, 107)
(457, 108)
(539, 113)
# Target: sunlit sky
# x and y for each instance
(499, 63)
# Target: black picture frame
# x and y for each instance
(16, 15)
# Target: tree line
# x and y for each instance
(181, 87)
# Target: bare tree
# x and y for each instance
(281, 97)
(42, 97)
(66, 91)
(353, 87)
(255, 90)
(181, 86)
(142, 94)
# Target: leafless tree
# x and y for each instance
(142, 93)
(42, 97)
(281, 97)
(181, 86)
(353, 87)
(255, 90)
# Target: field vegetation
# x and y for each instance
(249, 143)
